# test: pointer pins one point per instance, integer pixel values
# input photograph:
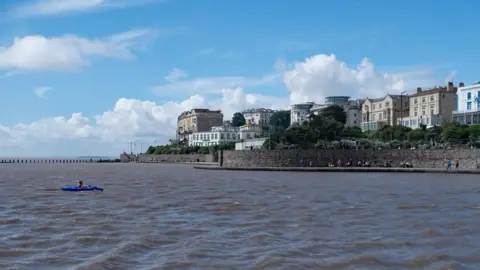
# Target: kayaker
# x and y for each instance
(80, 184)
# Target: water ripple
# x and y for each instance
(174, 217)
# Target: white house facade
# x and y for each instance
(352, 108)
(468, 105)
(258, 116)
(299, 113)
(223, 135)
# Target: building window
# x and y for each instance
(431, 98)
(415, 113)
(431, 112)
(423, 111)
(478, 100)
(469, 105)
(373, 107)
(469, 96)
(423, 99)
(415, 101)
(387, 104)
(380, 105)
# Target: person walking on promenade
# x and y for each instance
(449, 164)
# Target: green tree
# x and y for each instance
(326, 128)
(238, 119)
(353, 132)
(418, 134)
(455, 133)
(280, 120)
(151, 150)
(336, 112)
(474, 132)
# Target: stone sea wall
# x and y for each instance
(144, 158)
(320, 158)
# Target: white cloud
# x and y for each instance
(41, 91)
(147, 121)
(324, 75)
(175, 75)
(129, 120)
(55, 7)
(68, 52)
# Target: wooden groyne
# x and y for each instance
(19, 160)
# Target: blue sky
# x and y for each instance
(108, 60)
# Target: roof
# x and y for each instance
(257, 110)
(185, 113)
(433, 91)
(382, 98)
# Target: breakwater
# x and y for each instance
(40, 160)
(165, 158)
(340, 170)
(437, 158)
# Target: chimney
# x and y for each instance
(450, 86)
(419, 89)
(461, 84)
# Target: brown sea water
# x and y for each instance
(155, 216)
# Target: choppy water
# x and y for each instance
(155, 216)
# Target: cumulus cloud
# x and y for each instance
(129, 120)
(41, 91)
(68, 52)
(55, 7)
(148, 121)
(323, 75)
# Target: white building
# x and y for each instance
(431, 107)
(223, 135)
(299, 113)
(250, 144)
(259, 116)
(352, 108)
(468, 105)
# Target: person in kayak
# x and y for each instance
(80, 184)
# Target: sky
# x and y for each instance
(86, 77)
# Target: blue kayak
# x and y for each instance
(85, 188)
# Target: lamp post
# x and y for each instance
(270, 137)
(401, 107)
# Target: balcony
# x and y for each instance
(473, 110)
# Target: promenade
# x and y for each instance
(343, 169)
